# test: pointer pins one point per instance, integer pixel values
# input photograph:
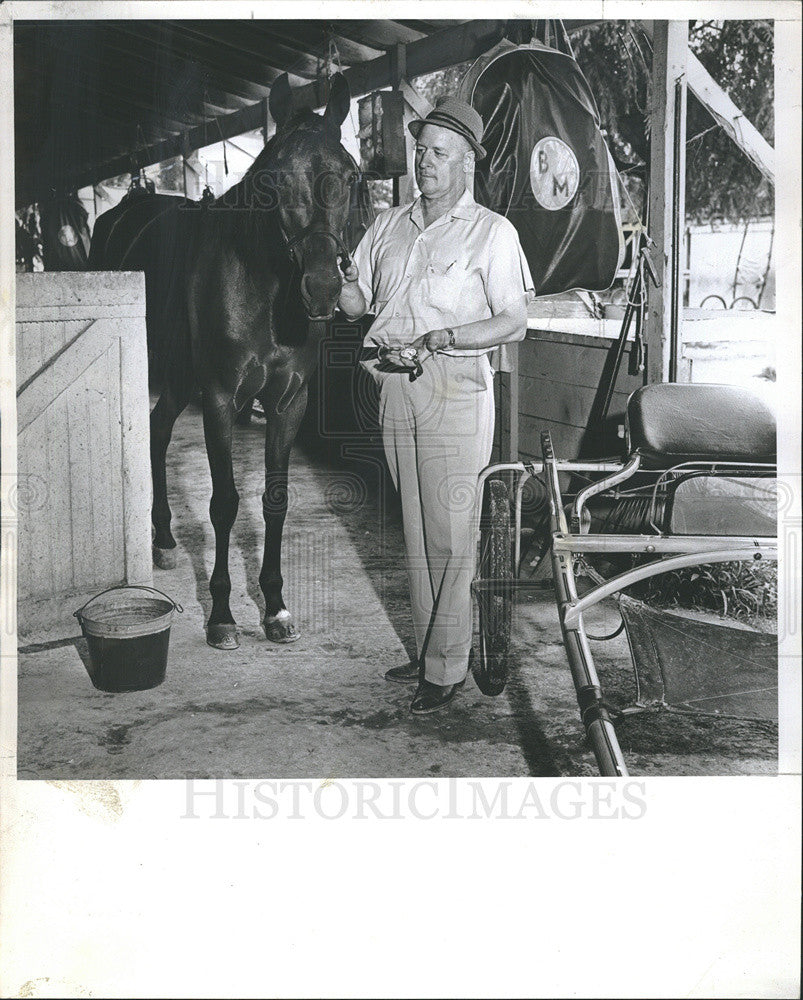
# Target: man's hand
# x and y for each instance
(409, 356)
(412, 356)
(351, 273)
(432, 342)
(351, 299)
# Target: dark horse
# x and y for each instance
(253, 278)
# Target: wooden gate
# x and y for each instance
(83, 465)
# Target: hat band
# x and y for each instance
(436, 116)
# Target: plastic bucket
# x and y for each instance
(127, 630)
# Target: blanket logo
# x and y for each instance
(67, 236)
(554, 173)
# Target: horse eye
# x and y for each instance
(353, 178)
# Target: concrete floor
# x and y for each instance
(320, 707)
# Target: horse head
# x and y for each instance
(314, 177)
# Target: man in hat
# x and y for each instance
(448, 282)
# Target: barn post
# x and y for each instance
(415, 106)
(667, 206)
(398, 64)
(11, 492)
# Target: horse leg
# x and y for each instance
(218, 409)
(170, 404)
(243, 418)
(284, 403)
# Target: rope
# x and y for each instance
(222, 139)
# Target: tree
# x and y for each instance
(721, 183)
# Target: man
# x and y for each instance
(448, 282)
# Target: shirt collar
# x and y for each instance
(462, 209)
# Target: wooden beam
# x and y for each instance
(227, 127)
(420, 105)
(236, 46)
(667, 196)
(725, 113)
(207, 61)
(398, 71)
(437, 51)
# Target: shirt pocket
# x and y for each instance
(444, 278)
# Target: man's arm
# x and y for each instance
(506, 327)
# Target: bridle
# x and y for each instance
(293, 244)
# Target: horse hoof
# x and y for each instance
(281, 629)
(164, 558)
(222, 636)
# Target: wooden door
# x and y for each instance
(83, 438)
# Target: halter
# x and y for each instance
(293, 244)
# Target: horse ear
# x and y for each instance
(338, 105)
(280, 100)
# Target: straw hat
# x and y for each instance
(456, 115)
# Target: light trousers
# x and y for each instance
(437, 434)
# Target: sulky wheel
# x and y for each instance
(494, 592)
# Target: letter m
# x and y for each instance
(479, 797)
(559, 185)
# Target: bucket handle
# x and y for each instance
(127, 586)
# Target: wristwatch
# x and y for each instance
(451, 337)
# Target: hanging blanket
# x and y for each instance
(65, 234)
(548, 169)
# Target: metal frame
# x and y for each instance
(569, 543)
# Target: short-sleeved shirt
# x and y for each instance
(466, 266)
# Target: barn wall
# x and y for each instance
(83, 445)
(559, 378)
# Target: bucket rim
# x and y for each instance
(131, 630)
(79, 614)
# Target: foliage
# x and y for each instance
(721, 183)
(441, 83)
(741, 590)
(616, 59)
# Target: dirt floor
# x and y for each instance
(320, 707)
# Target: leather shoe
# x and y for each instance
(405, 674)
(432, 697)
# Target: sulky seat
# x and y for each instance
(671, 423)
